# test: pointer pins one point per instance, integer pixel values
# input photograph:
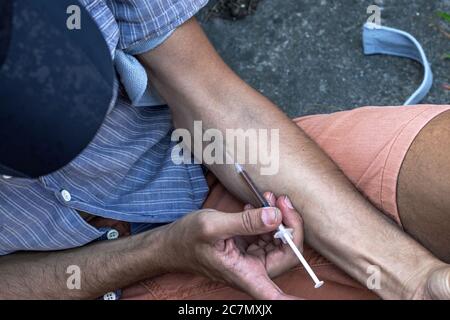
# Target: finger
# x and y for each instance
(256, 250)
(291, 218)
(241, 243)
(254, 281)
(249, 222)
(270, 247)
(270, 197)
(268, 237)
(277, 242)
(263, 288)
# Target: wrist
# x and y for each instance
(155, 250)
(159, 250)
(420, 286)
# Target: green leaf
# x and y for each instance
(447, 56)
(444, 15)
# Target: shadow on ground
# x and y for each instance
(306, 55)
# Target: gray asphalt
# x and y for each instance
(306, 55)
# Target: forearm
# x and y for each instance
(339, 221)
(104, 266)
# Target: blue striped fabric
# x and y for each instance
(126, 173)
(141, 20)
(105, 20)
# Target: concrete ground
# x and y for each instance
(306, 55)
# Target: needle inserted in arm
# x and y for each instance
(283, 233)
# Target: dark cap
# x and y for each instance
(56, 85)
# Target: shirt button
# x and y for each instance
(110, 296)
(66, 195)
(6, 177)
(112, 234)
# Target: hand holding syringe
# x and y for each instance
(283, 233)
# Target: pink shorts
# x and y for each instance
(369, 145)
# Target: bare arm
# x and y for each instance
(339, 221)
(104, 266)
(207, 242)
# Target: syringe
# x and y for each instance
(283, 233)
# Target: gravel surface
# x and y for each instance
(306, 55)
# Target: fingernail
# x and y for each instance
(247, 206)
(288, 202)
(269, 216)
(271, 197)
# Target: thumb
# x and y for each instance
(248, 222)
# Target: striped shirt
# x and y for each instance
(126, 173)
